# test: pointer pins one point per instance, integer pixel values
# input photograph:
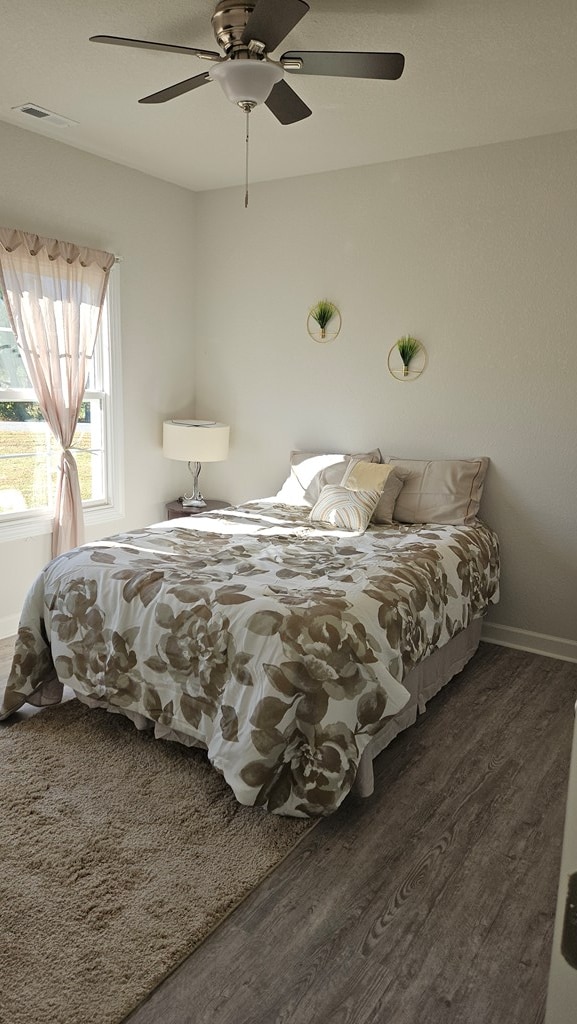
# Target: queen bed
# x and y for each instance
(290, 647)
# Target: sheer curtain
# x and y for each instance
(54, 292)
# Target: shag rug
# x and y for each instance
(119, 854)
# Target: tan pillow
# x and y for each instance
(439, 490)
(311, 471)
(344, 508)
(366, 475)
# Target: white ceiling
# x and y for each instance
(476, 72)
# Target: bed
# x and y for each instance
(292, 650)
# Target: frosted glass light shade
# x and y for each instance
(246, 81)
(195, 440)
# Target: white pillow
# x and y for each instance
(311, 471)
(343, 508)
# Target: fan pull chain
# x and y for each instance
(247, 109)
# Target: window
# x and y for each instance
(29, 454)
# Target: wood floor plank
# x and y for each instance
(434, 900)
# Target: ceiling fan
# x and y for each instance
(247, 31)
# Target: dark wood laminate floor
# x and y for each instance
(431, 902)
(434, 900)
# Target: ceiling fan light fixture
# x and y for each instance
(247, 81)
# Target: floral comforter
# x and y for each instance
(279, 646)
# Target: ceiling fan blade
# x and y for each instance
(345, 65)
(286, 106)
(272, 20)
(177, 90)
(145, 44)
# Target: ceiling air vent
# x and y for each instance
(46, 116)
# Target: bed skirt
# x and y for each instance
(423, 682)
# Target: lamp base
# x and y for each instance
(192, 502)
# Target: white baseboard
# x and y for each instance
(9, 626)
(535, 643)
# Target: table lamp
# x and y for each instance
(195, 442)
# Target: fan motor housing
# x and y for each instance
(229, 22)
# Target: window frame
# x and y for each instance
(34, 522)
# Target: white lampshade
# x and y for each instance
(195, 440)
(247, 81)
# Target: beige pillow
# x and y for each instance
(367, 475)
(439, 490)
(344, 508)
(311, 471)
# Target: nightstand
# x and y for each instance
(175, 509)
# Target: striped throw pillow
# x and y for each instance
(345, 509)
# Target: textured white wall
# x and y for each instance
(52, 189)
(475, 253)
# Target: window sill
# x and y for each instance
(36, 524)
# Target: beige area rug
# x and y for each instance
(118, 855)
